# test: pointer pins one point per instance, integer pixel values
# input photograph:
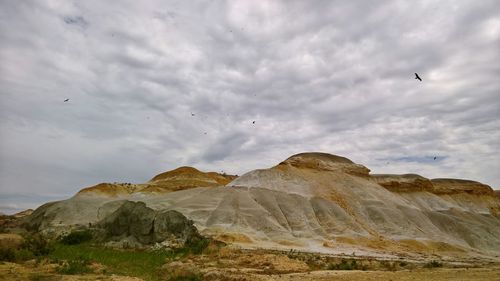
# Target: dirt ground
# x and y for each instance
(473, 274)
(17, 272)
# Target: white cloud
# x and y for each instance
(333, 76)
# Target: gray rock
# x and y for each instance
(147, 226)
(168, 223)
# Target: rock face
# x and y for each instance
(453, 186)
(147, 226)
(310, 201)
(404, 183)
(326, 162)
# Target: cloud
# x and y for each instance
(329, 76)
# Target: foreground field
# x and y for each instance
(15, 272)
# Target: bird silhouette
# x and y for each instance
(253, 122)
(66, 100)
(192, 114)
(417, 77)
(435, 157)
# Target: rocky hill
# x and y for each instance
(175, 180)
(310, 202)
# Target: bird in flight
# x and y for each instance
(192, 114)
(435, 157)
(417, 77)
(253, 122)
(66, 100)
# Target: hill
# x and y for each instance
(312, 202)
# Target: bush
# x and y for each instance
(79, 266)
(345, 265)
(7, 254)
(38, 245)
(433, 264)
(196, 246)
(77, 237)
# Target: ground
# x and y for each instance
(226, 263)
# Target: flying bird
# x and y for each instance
(417, 77)
(253, 122)
(66, 100)
(192, 114)
(435, 157)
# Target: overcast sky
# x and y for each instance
(329, 76)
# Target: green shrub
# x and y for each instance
(196, 246)
(433, 264)
(7, 254)
(77, 237)
(23, 255)
(38, 245)
(78, 266)
(345, 265)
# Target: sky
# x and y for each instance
(154, 85)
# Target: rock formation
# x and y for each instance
(134, 221)
(311, 202)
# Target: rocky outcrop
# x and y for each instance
(147, 226)
(417, 183)
(454, 186)
(326, 162)
(403, 183)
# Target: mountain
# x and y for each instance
(310, 202)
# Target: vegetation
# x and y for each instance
(33, 246)
(433, 264)
(123, 262)
(346, 265)
(77, 237)
(78, 266)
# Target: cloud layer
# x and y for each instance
(331, 76)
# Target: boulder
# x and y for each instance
(172, 223)
(147, 226)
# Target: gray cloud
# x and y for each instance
(332, 76)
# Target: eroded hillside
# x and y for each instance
(310, 202)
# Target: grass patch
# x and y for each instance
(135, 263)
(78, 266)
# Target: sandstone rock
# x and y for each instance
(453, 186)
(327, 162)
(403, 183)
